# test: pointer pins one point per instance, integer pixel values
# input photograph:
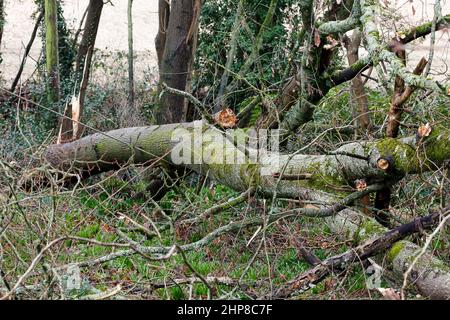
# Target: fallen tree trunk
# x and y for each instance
(433, 282)
(203, 148)
(430, 275)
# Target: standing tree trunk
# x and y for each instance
(160, 40)
(27, 52)
(399, 98)
(176, 60)
(2, 22)
(82, 69)
(130, 56)
(51, 48)
(188, 110)
(358, 94)
(89, 34)
(230, 56)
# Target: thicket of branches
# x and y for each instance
(362, 184)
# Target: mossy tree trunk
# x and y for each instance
(130, 55)
(52, 52)
(430, 275)
(380, 160)
(2, 23)
(326, 179)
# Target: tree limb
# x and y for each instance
(369, 248)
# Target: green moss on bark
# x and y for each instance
(395, 250)
(404, 156)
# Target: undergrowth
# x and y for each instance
(115, 209)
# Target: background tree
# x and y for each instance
(52, 52)
(359, 97)
(94, 12)
(176, 60)
(83, 63)
(2, 22)
(130, 55)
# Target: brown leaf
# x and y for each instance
(106, 228)
(424, 130)
(226, 118)
(413, 10)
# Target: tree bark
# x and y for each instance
(82, 69)
(177, 58)
(378, 243)
(188, 111)
(362, 64)
(160, 40)
(430, 275)
(378, 52)
(399, 98)
(130, 56)
(2, 23)
(359, 97)
(379, 160)
(89, 35)
(51, 46)
(27, 51)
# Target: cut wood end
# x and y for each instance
(424, 130)
(383, 164)
(400, 35)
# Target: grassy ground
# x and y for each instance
(271, 258)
